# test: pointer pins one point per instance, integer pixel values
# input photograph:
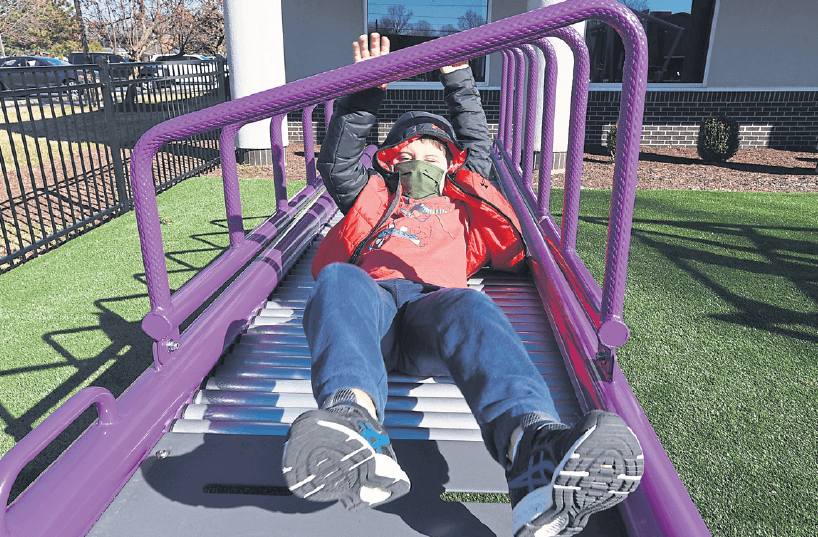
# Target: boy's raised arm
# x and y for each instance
(467, 116)
(339, 160)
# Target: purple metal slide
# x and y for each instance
(193, 446)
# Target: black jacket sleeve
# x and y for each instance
(339, 160)
(468, 118)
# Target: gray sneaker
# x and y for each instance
(560, 476)
(341, 453)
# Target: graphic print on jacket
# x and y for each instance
(431, 233)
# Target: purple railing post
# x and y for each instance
(328, 110)
(232, 197)
(573, 163)
(501, 125)
(612, 331)
(309, 143)
(508, 97)
(519, 107)
(532, 84)
(547, 132)
(279, 169)
(576, 137)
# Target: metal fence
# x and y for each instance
(67, 136)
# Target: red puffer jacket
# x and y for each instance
(493, 235)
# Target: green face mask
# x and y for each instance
(420, 180)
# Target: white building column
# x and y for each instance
(565, 80)
(255, 53)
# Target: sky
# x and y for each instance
(441, 12)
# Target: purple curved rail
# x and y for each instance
(611, 328)
(71, 494)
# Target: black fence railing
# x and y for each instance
(67, 134)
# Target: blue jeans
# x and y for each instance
(358, 329)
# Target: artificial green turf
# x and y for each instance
(71, 317)
(722, 304)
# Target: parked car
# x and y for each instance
(34, 72)
(180, 67)
(117, 71)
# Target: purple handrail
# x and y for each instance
(615, 333)
(26, 449)
(72, 493)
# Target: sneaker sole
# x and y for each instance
(325, 461)
(598, 472)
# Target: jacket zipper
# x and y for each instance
(358, 249)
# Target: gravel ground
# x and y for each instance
(660, 168)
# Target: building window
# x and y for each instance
(678, 33)
(412, 22)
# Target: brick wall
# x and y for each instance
(778, 119)
(397, 103)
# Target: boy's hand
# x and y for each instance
(378, 46)
(446, 69)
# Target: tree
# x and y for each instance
(396, 19)
(423, 28)
(471, 19)
(38, 27)
(134, 25)
(200, 30)
(181, 26)
(209, 40)
(190, 26)
(448, 29)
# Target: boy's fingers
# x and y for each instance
(384, 45)
(363, 48)
(375, 44)
(356, 52)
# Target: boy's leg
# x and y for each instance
(557, 476)
(348, 323)
(341, 451)
(465, 332)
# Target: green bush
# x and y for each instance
(610, 139)
(718, 139)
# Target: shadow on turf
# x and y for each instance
(129, 354)
(783, 258)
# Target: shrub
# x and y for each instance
(610, 139)
(718, 139)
